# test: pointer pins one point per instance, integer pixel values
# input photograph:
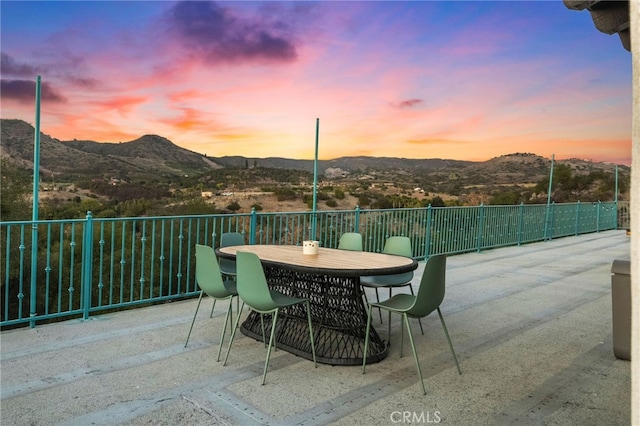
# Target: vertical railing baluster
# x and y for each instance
(170, 261)
(101, 243)
(112, 272)
(520, 222)
(60, 266)
(143, 250)
(132, 268)
(47, 271)
(253, 224)
(480, 227)
(7, 263)
(123, 262)
(427, 239)
(179, 267)
(22, 247)
(72, 256)
(87, 266)
(161, 258)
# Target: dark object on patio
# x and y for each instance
(621, 305)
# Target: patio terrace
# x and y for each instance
(531, 326)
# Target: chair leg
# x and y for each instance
(444, 327)
(233, 334)
(271, 342)
(366, 340)
(415, 354)
(401, 336)
(313, 345)
(419, 319)
(237, 307)
(389, 320)
(212, 308)
(195, 315)
(264, 340)
(378, 300)
(227, 317)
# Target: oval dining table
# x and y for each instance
(330, 280)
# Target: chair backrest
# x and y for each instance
(252, 283)
(400, 246)
(231, 239)
(350, 241)
(208, 274)
(432, 285)
(228, 266)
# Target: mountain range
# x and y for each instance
(155, 157)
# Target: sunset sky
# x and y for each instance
(424, 79)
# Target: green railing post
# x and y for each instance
(34, 216)
(253, 225)
(314, 218)
(552, 220)
(427, 239)
(577, 216)
(520, 222)
(480, 228)
(357, 219)
(34, 274)
(87, 265)
(547, 216)
(599, 207)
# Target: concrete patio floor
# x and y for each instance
(531, 326)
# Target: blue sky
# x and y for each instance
(467, 80)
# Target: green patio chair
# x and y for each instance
(430, 296)
(400, 246)
(228, 266)
(254, 291)
(350, 241)
(210, 281)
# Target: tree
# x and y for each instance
(14, 192)
(234, 206)
(437, 201)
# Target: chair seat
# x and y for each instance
(397, 280)
(228, 267)
(283, 300)
(223, 293)
(231, 286)
(398, 303)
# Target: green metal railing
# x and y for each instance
(82, 267)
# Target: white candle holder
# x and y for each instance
(310, 247)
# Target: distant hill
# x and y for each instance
(147, 157)
(349, 164)
(155, 157)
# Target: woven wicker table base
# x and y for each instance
(338, 315)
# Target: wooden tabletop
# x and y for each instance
(327, 261)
